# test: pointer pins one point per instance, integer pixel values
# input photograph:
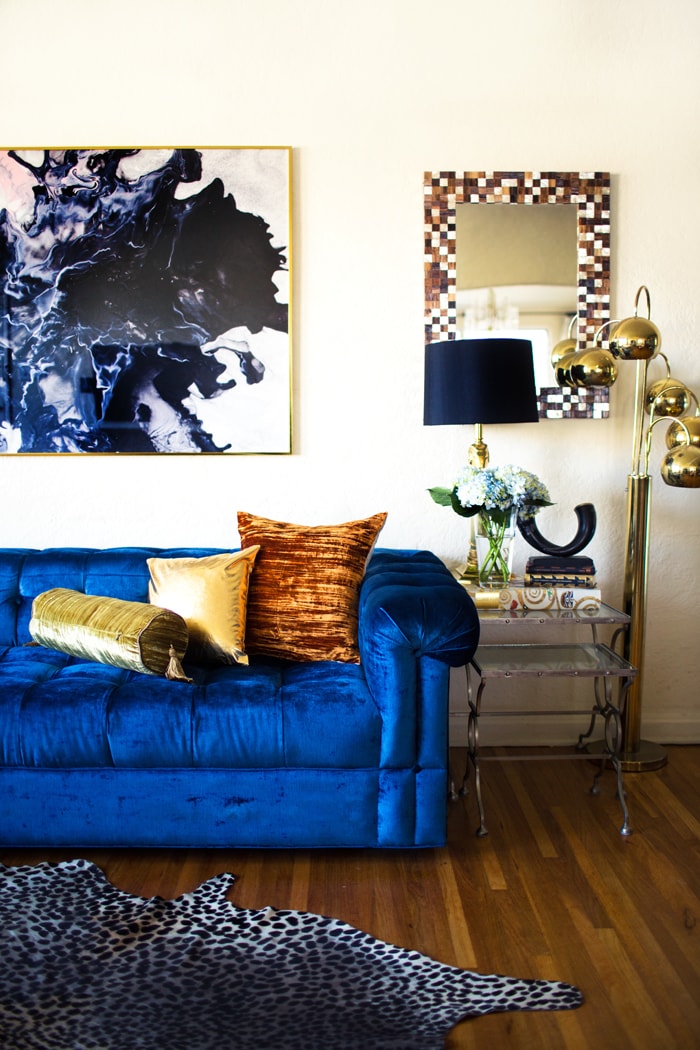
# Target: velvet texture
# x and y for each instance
(133, 635)
(276, 753)
(304, 593)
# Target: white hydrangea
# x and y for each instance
(501, 489)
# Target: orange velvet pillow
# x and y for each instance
(303, 597)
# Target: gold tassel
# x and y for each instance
(174, 669)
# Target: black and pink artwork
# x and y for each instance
(144, 300)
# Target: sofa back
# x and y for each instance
(119, 572)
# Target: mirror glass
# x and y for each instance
(521, 270)
(517, 276)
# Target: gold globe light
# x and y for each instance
(563, 354)
(564, 348)
(685, 431)
(593, 368)
(584, 368)
(636, 338)
(562, 369)
(667, 397)
(681, 467)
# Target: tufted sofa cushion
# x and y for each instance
(60, 711)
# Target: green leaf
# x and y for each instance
(464, 512)
(442, 496)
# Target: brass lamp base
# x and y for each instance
(647, 757)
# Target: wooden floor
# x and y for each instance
(553, 891)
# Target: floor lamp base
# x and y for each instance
(648, 756)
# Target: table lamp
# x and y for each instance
(479, 381)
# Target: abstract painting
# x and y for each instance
(145, 300)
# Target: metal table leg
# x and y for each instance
(473, 748)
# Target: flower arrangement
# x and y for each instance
(500, 496)
(495, 491)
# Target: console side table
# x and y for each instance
(591, 659)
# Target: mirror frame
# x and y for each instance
(590, 192)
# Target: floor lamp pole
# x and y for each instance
(637, 755)
(638, 339)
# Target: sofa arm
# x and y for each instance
(415, 622)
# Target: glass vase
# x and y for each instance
(495, 542)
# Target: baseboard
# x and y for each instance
(514, 731)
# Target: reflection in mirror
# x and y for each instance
(517, 276)
(520, 271)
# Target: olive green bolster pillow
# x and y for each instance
(133, 635)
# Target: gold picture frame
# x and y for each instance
(145, 300)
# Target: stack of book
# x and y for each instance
(545, 571)
(554, 583)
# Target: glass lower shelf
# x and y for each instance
(596, 613)
(592, 660)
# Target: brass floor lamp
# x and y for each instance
(638, 339)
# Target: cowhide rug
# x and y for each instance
(84, 966)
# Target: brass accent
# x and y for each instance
(667, 397)
(562, 370)
(683, 432)
(681, 467)
(478, 451)
(636, 338)
(564, 348)
(648, 756)
(477, 456)
(640, 340)
(470, 573)
(485, 599)
(635, 596)
(593, 368)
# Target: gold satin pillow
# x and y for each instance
(210, 593)
(133, 635)
(304, 593)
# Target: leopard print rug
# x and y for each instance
(84, 966)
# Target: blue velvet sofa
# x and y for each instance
(273, 754)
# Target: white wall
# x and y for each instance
(371, 93)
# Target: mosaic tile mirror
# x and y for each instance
(524, 271)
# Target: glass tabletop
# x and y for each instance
(589, 660)
(597, 612)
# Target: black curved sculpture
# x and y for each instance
(585, 513)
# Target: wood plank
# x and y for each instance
(554, 891)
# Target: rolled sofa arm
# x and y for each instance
(415, 622)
